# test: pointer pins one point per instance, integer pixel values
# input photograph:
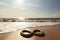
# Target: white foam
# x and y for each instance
(13, 26)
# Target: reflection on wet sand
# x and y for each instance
(51, 33)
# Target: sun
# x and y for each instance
(19, 2)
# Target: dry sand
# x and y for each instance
(51, 33)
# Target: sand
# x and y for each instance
(51, 33)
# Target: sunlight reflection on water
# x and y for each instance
(13, 26)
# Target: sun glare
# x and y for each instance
(19, 2)
(21, 18)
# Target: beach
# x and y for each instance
(52, 32)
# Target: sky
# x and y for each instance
(30, 8)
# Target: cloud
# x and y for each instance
(32, 5)
(3, 4)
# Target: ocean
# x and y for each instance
(14, 26)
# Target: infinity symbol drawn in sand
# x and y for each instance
(28, 34)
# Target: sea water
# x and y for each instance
(13, 26)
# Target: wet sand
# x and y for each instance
(51, 33)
